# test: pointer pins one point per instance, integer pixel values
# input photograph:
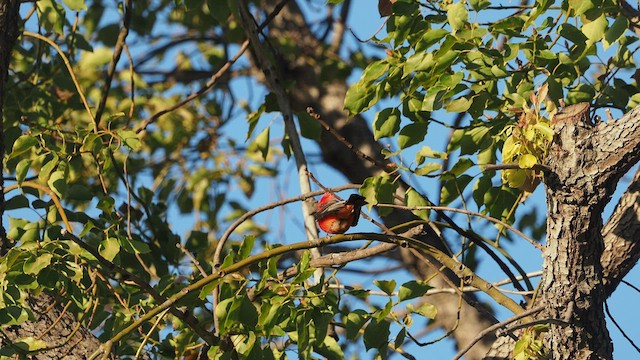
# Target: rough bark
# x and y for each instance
(58, 328)
(586, 160)
(326, 93)
(621, 237)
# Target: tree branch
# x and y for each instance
(117, 52)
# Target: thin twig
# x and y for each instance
(472, 213)
(117, 52)
(387, 167)
(495, 327)
(514, 166)
(476, 240)
(606, 308)
(69, 68)
(148, 335)
(215, 77)
(212, 81)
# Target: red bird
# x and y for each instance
(336, 217)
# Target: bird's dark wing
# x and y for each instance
(328, 209)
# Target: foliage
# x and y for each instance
(99, 198)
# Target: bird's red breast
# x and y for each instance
(335, 216)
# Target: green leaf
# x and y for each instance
(514, 178)
(130, 139)
(34, 264)
(354, 322)
(133, 246)
(431, 37)
(615, 31)
(262, 142)
(139, 247)
(248, 315)
(427, 169)
(57, 182)
(379, 189)
(359, 97)
(51, 16)
(30, 344)
(87, 228)
(457, 15)
(75, 5)
(399, 341)
(253, 120)
(581, 6)
(16, 202)
(310, 128)
(580, 93)
(246, 247)
(386, 285)
(376, 334)
(302, 340)
(459, 105)
(207, 289)
(109, 248)
(271, 103)
(47, 168)
(79, 192)
(427, 152)
(106, 204)
(594, 31)
(572, 34)
(386, 123)
(426, 310)
(375, 70)
(223, 312)
(545, 130)
(478, 5)
(412, 290)
(460, 166)
(420, 61)
(480, 189)
(23, 144)
(330, 349)
(219, 9)
(453, 188)
(415, 199)
(412, 134)
(22, 169)
(381, 314)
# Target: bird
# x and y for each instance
(337, 216)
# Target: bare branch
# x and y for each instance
(117, 52)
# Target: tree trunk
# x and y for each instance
(59, 329)
(9, 31)
(586, 160)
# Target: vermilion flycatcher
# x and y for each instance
(336, 217)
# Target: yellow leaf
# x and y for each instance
(527, 161)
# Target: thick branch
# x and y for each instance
(622, 237)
